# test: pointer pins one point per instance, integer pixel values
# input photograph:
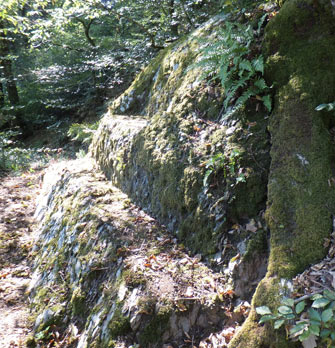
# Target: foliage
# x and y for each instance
(15, 158)
(306, 319)
(82, 132)
(69, 57)
(234, 59)
(229, 165)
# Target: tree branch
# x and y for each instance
(87, 27)
(140, 25)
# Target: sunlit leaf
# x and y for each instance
(320, 302)
(297, 328)
(304, 336)
(266, 318)
(263, 310)
(278, 323)
(288, 302)
(285, 310)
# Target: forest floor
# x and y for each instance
(18, 195)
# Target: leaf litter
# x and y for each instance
(17, 206)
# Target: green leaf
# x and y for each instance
(261, 84)
(240, 178)
(289, 316)
(285, 310)
(328, 107)
(266, 318)
(258, 64)
(261, 22)
(288, 302)
(267, 102)
(245, 65)
(325, 333)
(316, 296)
(327, 315)
(332, 336)
(207, 174)
(278, 323)
(297, 328)
(320, 302)
(314, 314)
(300, 307)
(263, 310)
(320, 107)
(315, 322)
(304, 336)
(329, 294)
(315, 330)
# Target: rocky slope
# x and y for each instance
(108, 267)
(163, 250)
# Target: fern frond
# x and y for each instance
(261, 84)
(245, 96)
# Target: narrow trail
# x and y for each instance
(17, 205)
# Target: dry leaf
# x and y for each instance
(310, 342)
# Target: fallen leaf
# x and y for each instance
(310, 342)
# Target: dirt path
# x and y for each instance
(17, 205)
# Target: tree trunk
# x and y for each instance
(300, 46)
(173, 26)
(7, 70)
(2, 96)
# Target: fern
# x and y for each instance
(230, 59)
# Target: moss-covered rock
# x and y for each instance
(300, 45)
(162, 165)
(106, 272)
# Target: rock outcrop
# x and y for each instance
(162, 164)
(107, 272)
(108, 275)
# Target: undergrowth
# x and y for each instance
(234, 59)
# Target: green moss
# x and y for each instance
(153, 332)
(133, 279)
(119, 325)
(30, 342)
(161, 165)
(78, 302)
(258, 244)
(301, 44)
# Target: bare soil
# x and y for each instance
(17, 205)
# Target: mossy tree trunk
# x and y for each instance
(300, 46)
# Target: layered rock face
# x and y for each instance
(162, 164)
(107, 274)
(119, 257)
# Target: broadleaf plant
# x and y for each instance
(229, 165)
(306, 320)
